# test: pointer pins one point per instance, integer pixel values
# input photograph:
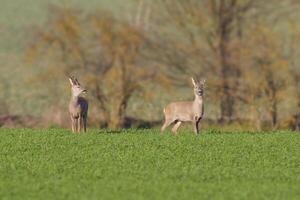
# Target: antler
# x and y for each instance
(74, 80)
(77, 82)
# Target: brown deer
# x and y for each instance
(186, 111)
(78, 106)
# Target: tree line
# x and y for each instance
(246, 49)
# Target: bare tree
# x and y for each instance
(105, 50)
(266, 70)
(207, 35)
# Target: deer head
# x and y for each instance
(198, 87)
(76, 89)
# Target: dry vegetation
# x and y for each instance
(246, 49)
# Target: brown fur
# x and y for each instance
(78, 107)
(186, 111)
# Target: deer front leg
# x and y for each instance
(84, 123)
(79, 123)
(198, 126)
(73, 124)
(195, 127)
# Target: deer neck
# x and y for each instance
(74, 98)
(198, 99)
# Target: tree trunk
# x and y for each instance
(226, 106)
(274, 114)
(119, 114)
(119, 110)
(273, 94)
(103, 106)
(122, 112)
(227, 100)
(296, 125)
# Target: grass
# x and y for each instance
(141, 164)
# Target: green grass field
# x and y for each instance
(141, 164)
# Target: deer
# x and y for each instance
(78, 106)
(186, 111)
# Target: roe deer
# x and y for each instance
(78, 106)
(186, 111)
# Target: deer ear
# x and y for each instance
(203, 81)
(77, 82)
(71, 81)
(193, 81)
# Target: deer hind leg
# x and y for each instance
(167, 123)
(176, 126)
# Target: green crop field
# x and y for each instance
(142, 164)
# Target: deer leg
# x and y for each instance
(73, 124)
(79, 123)
(198, 126)
(166, 124)
(84, 123)
(195, 124)
(176, 126)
